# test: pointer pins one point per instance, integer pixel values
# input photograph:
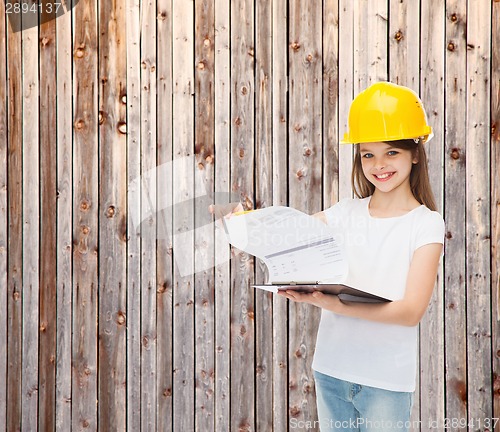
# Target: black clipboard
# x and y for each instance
(344, 292)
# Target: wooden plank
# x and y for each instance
(63, 404)
(432, 94)
(404, 37)
(183, 215)
(148, 201)
(495, 204)
(14, 217)
(3, 222)
(404, 69)
(164, 264)
(280, 197)
(134, 414)
(31, 243)
(346, 92)
(370, 43)
(242, 157)
(204, 327)
(48, 220)
(479, 388)
(455, 193)
(305, 160)
(330, 102)
(112, 220)
(222, 185)
(263, 198)
(85, 228)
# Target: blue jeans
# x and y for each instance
(345, 406)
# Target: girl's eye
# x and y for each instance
(367, 155)
(392, 153)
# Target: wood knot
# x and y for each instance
(85, 229)
(241, 153)
(451, 46)
(167, 392)
(309, 58)
(209, 159)
(250, 315)
(111, 211)
(16, 295)
(85, 424)
(201, 65)
(251, 52)
(455, 153)
(301, 173)
(45, 41)
(84, 205)
(294, 411)
(295, 46)
(448, 235)
(43, 326)
(120, 318)
(307, 151)
(101, 117)
(237, 121)
(244, 90)
(80, 124)
(80, 52)
(454, 17)
(207, 42)
(124, 99)
(122, 127)
(398, 36)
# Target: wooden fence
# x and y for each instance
(99, 329)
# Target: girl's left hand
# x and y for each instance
(316, 298)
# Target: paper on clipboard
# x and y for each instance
(294, 246)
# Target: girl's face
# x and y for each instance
(386, 167)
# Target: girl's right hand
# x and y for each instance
(225, 210)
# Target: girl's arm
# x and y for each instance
(321, 216)
(408, 311)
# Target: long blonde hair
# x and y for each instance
(419, 175)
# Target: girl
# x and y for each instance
(365, 359)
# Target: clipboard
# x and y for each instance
(344, 292)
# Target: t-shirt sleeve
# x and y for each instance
(333, 213)
(431, 230)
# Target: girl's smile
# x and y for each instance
(385, 166)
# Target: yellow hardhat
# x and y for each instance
(386, 112)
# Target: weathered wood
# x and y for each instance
(495, 204)
(432, 93)
(3, 222)
(263, 198)
(280, 197)
(330, 102)
(64, 234)
(204, 368)
(346, 93)
(15, 224)
(479, 389)
(304, 158)
(133, 99)
(183, 215)
(242, 264)
(148, 163)
(85, 206)
(455, 192)
(112, 217)
(31, 229)
(164, 264)
(404, 36)
(222, 184)
(48, 221)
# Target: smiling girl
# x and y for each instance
(365, 359)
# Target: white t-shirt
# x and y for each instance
(379, 252)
